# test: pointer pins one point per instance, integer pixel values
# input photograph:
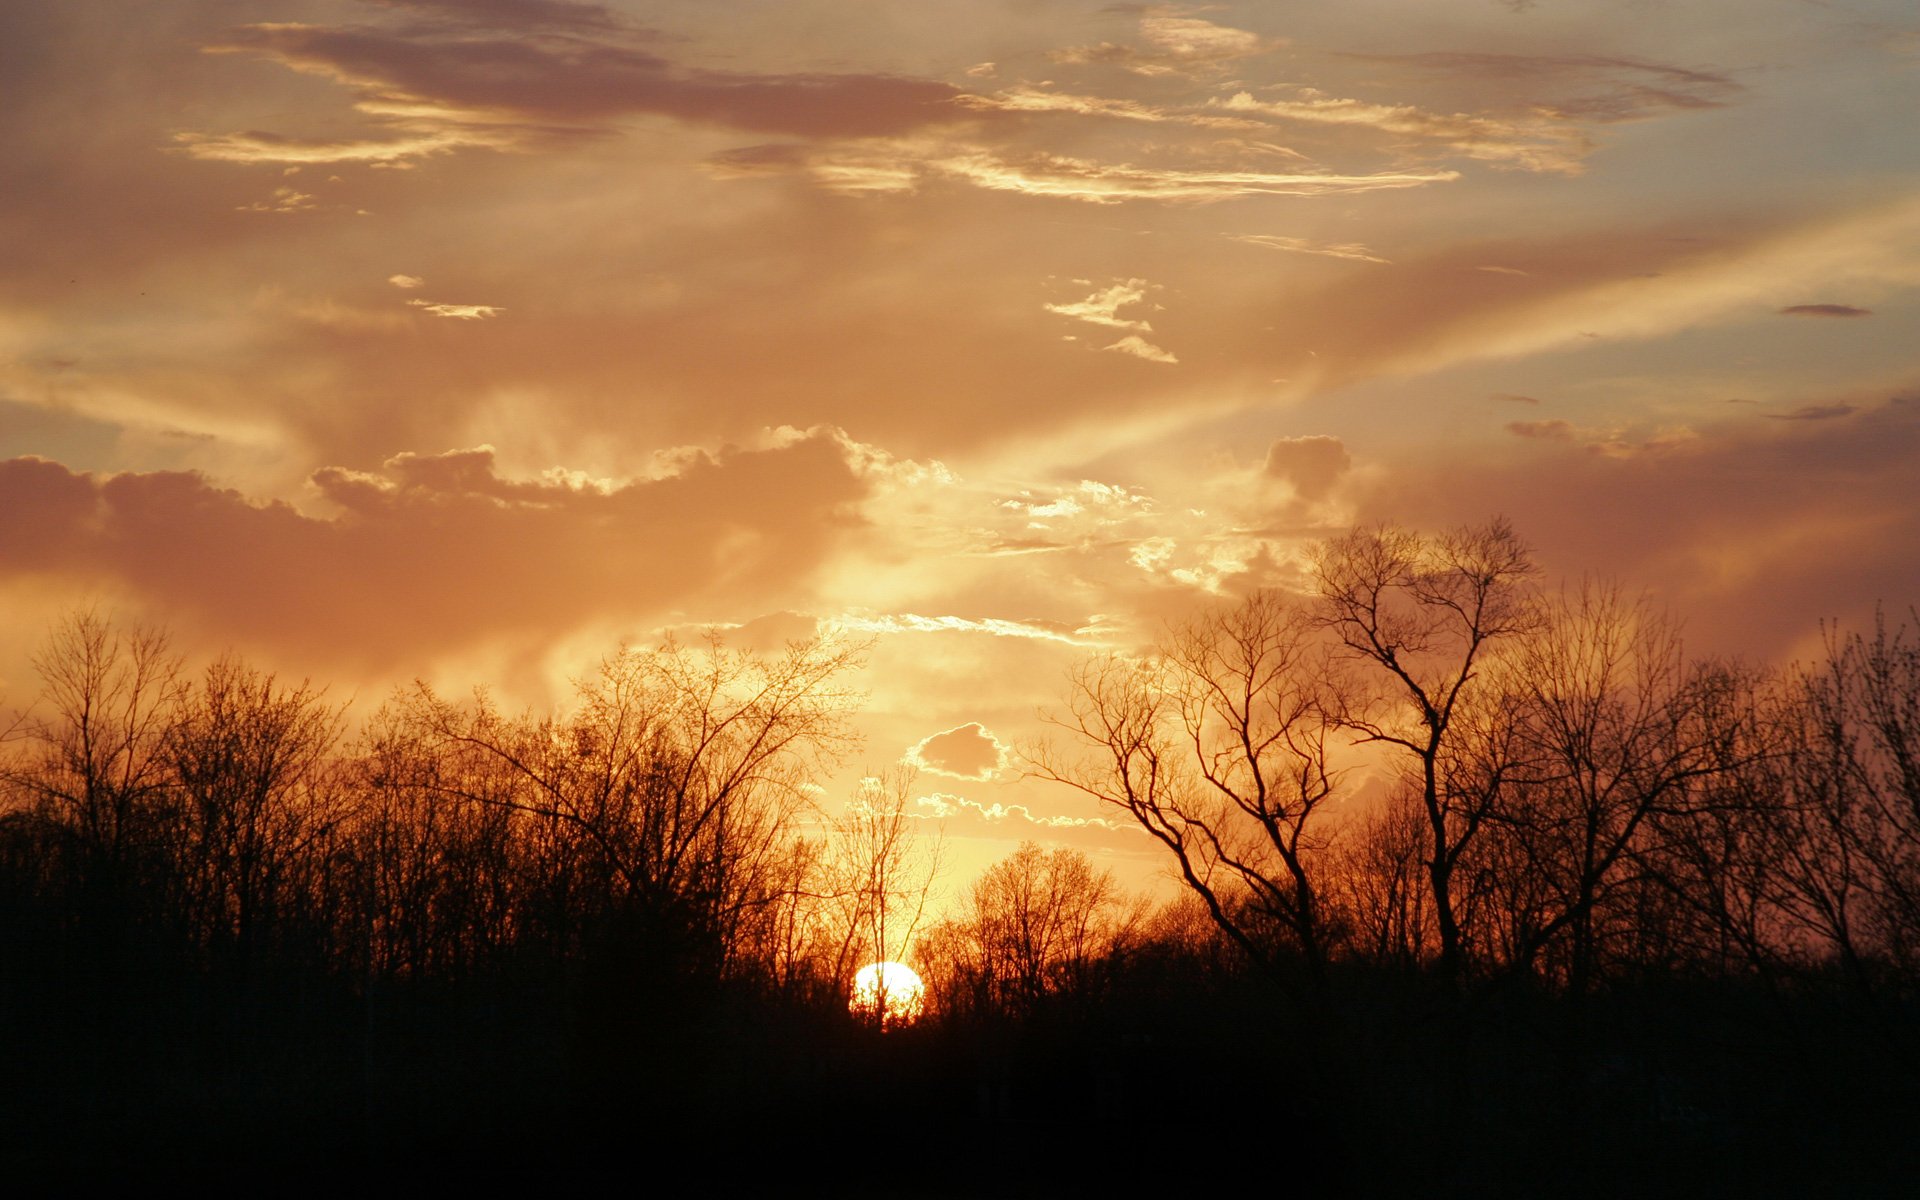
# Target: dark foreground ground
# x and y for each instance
(1381, 1088)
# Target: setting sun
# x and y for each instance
(1349, 570)
(890, 991)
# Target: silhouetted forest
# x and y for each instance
(1629, 922)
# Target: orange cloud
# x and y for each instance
(1310, 465)
(1294, 245)
(969, 751)
(459, 312)
(1825, 310)
(1740, 528)
(1140, 347)
(433, 89)
(434, 551)
(1177, 43)
(1538, 142)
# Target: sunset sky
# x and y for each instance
(463, 339)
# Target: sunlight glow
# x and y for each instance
(890, 992)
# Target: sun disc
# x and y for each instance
(888, 991)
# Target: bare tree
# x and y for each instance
(1838, 833)
(881, 873)
(252, 761)
(1610, 735)
(1867, 704)
(1218, 748)
(854, 895)
(1379, 884)
(678, 771)
(95, 772)
(1720, 857)
(1033, 926)
(1417, 617)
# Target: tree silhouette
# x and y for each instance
(252, 763)
(1417, 617)
(95, 773)
(679, 771)
(1218, 748)
(1610, 735)
(1035, 925)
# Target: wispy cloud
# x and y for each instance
(904, 165)
(430, 89)
(1538, 142)
(943, 805)
(992, 626)
(459, 312)
(1294, 245)
(1038, 100)
(1589, 86)
(259, 146)
(1103, 306)
(1816, 412)
(1176, 44)
(517, 14)
(1140, 347)
(1825, 310)
(1110, 183)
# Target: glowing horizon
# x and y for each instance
(467, 342)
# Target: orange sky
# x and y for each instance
(464, 338)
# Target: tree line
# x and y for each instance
(1418, 806)
(1574, 799)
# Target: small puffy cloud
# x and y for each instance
(1089, 510)
(1152, 554)
(1825, 310)
(985, 70)
(459, 312)
(1140, 347)
(1310, 465)
(970, 751)
(283, 200)
(406, 282)
(1514, 398)
(1103, 307)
